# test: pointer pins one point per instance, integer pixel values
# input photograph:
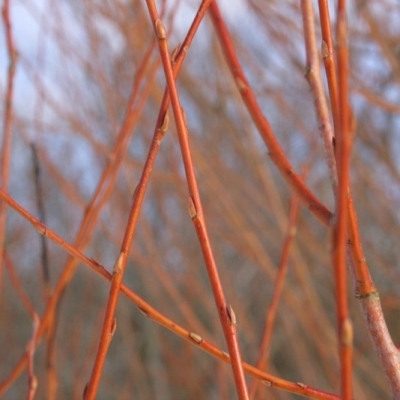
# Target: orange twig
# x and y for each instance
(340, 231)
(275, 151)
(102, 193)
(280, 279)
(313, 76)
(363, 281)
(121, 262)
(225, 312)
(18, 286)
(328, 58)
(33, 381)
(31, 347)
(152, 313)
(344, 144)
(7, 126)
(384, 347)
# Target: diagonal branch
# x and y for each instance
(150, 312)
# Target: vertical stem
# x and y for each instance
(280, 279)
(344, 143)
(313, 76)
(7, 127)
(328, 58)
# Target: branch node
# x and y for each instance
(144, 312)
(192, 208)
(325, 50)
(346, 336)
(165, 123)
(160, 30)
(118, 264)
(184, 116)
(241, 84)
(175, 53)
(225, 354)
(113, 327)
(41, 228)
(231, 315)
(195, 337)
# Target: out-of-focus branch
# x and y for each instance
(100, 196)
(7, 126)
(31, 347)
(150, 312)
(280, 279)
(313, 75)
(345, 333)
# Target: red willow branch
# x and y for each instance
(280, 279)
(275, 150)
(365, 290)
(99, 198)
(7, 126)
(150, 312)
(109, 324)
(31, 347)
(364, 284)
(33, 381)
(225, 312)
(344, 141)
(314, 79)
(328, 58)
(340, 187)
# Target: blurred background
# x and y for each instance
(78, 65)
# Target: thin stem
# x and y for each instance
(384, 347)
(272, 310)
(340, 231)
(328, 58)
(41, 213)
(344, 144)
(109, 324)
(150, 312)
(100, 197)
(33, 381)
(225, 312)
(275, 150)
(314, 79)
(7, 126)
